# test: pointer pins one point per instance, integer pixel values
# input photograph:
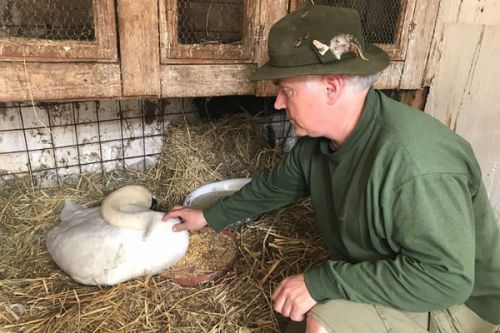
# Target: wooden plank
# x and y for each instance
(465, 97)
(139, 47)
(22, 82)
(420, 37)
(389, 78)
(270, 12)
(450, 11)
(481, 12)
(206, 80)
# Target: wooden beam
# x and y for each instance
(67, 81)
(270, 12)
(139, 46)
(206, 80)
(419, 44)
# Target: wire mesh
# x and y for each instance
(378, 17)
(47, 19)
(210, 21)
(53, 141)
(50, 142)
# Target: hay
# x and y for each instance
(35, 296)
(208, 252)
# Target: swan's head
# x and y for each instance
(129, 207)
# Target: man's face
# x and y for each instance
(304, 99)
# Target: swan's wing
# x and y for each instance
(73, 211)
(70, 207)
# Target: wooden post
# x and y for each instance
(139, 46)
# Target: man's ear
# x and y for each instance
(334, 88)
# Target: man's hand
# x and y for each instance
(292, 299)
(192, 219)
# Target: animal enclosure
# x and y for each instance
(96, 94)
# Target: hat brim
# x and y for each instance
(378, 60)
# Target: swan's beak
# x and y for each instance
(155, 205)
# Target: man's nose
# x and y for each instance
(279, 103)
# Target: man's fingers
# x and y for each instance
(279, 301)
(175, 212)
(287, 307)
(169, 215)
(296, 314)
(179, 227)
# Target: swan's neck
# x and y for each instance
(128, 207)
(137, 220)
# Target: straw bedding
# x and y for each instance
(35, 296)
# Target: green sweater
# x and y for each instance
(401, 203)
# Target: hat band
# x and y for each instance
(305, 59)
(292, 60)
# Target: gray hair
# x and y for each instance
(354, 83)
(357, 83)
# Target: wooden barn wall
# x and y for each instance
(463, 74)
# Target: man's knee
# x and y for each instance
(314, 326)
(345, 316)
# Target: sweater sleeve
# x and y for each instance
(429, 223)
(281, 186)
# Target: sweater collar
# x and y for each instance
(358, 135)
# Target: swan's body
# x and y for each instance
(93, 251)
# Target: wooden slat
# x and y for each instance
(458, 11)
(206, 80)
(482, 12)
(139, 47)
(464, 94)
(58, 81)
(420, 37)
(389, 78)
(270, 12)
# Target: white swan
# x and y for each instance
(130, 241)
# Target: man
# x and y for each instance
(396, 194)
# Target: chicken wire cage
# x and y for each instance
(47, 19)
(379, 18)
(210, 21)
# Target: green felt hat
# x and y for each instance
(320, 40)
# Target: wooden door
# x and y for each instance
(208, 47)
(208, 31)
(58, 49)
(58, 30)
